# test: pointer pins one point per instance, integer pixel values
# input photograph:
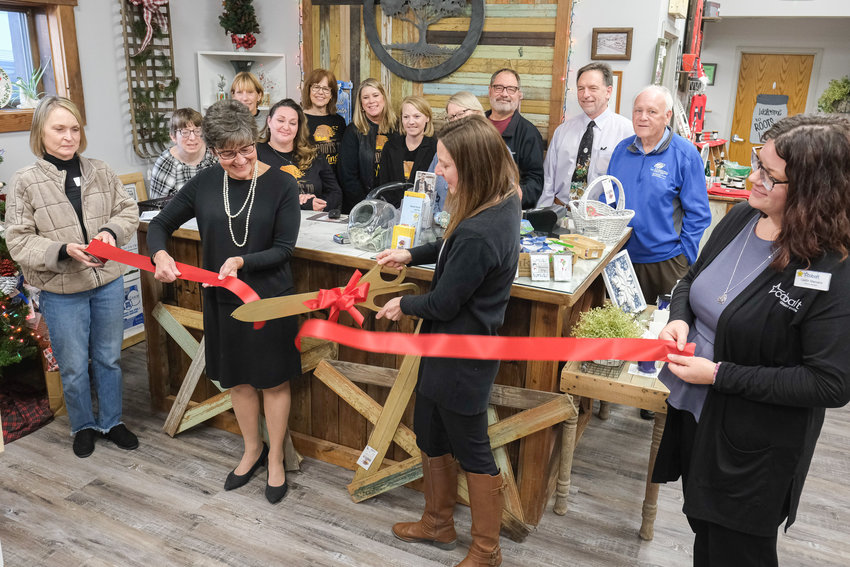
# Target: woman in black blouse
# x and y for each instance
(475, 268)
(403, 157)
(373, 124)
(258, 205)
(289, 149)
(324, 126)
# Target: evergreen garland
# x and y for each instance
(239, 17)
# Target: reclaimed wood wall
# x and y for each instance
(529, 36)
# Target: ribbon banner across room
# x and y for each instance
(439, 345)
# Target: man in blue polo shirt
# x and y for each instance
(664, 183)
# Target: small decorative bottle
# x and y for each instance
(221, 95)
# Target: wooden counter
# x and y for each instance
(325, 427)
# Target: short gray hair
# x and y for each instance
(229, 124)
(658, 90)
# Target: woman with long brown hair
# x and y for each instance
(766, 304)
(290, 149)
(373, 123)
(475, 268)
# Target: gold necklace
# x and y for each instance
(249, 202)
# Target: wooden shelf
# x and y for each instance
(211, 64)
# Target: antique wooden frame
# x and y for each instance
(626, 53)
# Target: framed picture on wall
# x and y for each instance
(710, 70)
(611, 44)
(614, 102)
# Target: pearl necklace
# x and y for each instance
(722, 299)
(249, 202)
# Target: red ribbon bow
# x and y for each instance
(342, 300)
(151, 12)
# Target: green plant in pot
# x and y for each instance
(28, 87)
(836, 97)
(607, 322)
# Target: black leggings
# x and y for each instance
(440, 431)
(716, 546)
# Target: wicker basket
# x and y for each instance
(597, 217)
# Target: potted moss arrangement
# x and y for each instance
(607, 322)
(836, 97)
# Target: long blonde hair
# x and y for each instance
(486, 172)
(388, 121)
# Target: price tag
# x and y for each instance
(608, 188)
(366, 457)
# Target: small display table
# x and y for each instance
(626, 389)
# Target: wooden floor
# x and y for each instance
(163, 504)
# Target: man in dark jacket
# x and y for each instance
(521, 136)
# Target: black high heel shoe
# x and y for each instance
(275, 494)
(236, 480)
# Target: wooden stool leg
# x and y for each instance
(650, 500)
(568, 446)
(604, 410)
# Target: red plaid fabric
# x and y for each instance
(23, 410)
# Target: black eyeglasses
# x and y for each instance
(499, 89)
(187, 132)
(231, 154)
(767, 180)
(459, 114)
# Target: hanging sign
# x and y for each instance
(769, 110)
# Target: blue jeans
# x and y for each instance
(88, 324)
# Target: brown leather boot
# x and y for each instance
(485, 503)
(437, 525)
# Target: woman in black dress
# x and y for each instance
(259, 206)
(289, 149)
(324, 125)
(475, 268)
(374, 122)
(404, 156)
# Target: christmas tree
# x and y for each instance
(17, 340)
(239, 17)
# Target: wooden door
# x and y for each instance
(766, 73)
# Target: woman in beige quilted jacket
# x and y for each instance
(55, 207)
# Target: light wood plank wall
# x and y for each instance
(529, 36)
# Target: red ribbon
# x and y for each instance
(151, 12)
(342, 300)
(492, 348)
(191, 273)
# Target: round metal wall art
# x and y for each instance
(455, 59)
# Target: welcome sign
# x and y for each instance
(769, 110)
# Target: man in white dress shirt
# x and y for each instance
(579, 152)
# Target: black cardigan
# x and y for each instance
(359, 159)
(469, 294)
(784, 359)
(392, 159)
(526, 146)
